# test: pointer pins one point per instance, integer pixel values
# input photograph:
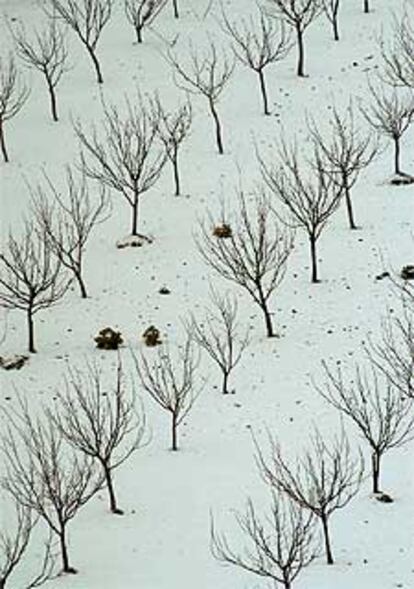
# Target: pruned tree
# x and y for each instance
(390, 113)
(383, 416)
(142, 13)
(217, 334)
(171, 381)
(86, 18)
(127, 156)
(257, 45)
(331, 11)
(173, 129)
(100, 421)
(31, 277)
(323, 480)
(207, 74)
(13, 95)
(309, 196)
(254, 256)
(67, 221)
(299, 15)
(46, 52)
(344, 152)
(14, 542)
(398, 61)
(44, 475)
(281, 543)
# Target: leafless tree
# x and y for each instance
(323, 480)
(14, 544)
(258, 44)
(171, 381)
(31, 278)
(86, 18)
(331, 10)
(217, 334)
(345, 152)
(299, 15)
(67, 221)
(281, 543)
(383, 416)
(173, 129)
(254, 256)
(390, 113)
(13, 95)
(46, 52)
(102, 424)
(398, 55)
(142, 13)
(44, 475)
(310, 196)
(207, 74)
(127, 156)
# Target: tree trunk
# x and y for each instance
(301, 52)
(174, 433)
(135, 204)
(3, 143)
(175, 7)
(348, 202)
(138, 31)
(53, 101)
(81, 283)
(335, 27)
(176, 173)
(96, 64)
(111, 491)
(30, 325)
(214, 113)
(397, 155)
(267, 317)
(314, 259)
(64, 553)
(366, 6)
(328, 550)
(264, 92)
(286, 580)
(224, 389)
(376, 463)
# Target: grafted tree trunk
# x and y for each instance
(176, 174)
(224, 388)
(111, 491)
(64, 553)
(174, 432)
(301, 52)
(175, 8)
(3, 143)
(135, 211)
(30, 326)
(348, 202)
(397, 155)
(327, 540)
(53, 101)
(314, 259)
(335, 28)
(366, 6)
(219, 140)
(96, 64)
(264, 92)
(376, 466)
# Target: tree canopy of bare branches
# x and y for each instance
(257, 45)
(142, 13)
(324, 479)
(255, 254)
(86, 18)
(310, 197)
(102, 424)
(299, 15)
(207, 74)
(13, 95)
(44, 475)
(127, 156)
(390, 113)
(46, 52)
(68, 221)
(31, 277)
(383, 416)
(281, 543)
(345, 152)
(217, 334)
(397, 57)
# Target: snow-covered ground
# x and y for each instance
(163, 539)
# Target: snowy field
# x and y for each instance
(163, 539)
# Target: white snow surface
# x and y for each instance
(162, 541)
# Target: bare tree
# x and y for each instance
(207, 74)
(102, 424)
(217, 334)
(281, 543)
(255, 254)
(86, 18)
(13, 95)
(331, 10)
(398, 55)
(171, 381)
(127, 156)
(173, 129)
(142, 13)
(31, 278)
(46, 52)
(43, 475)
(68, 221)
(323, 480)
(345, 152)
(298, 14)
(258, 44)
(310, 197)
(13, 547)
(390, 113)
(382, 415)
